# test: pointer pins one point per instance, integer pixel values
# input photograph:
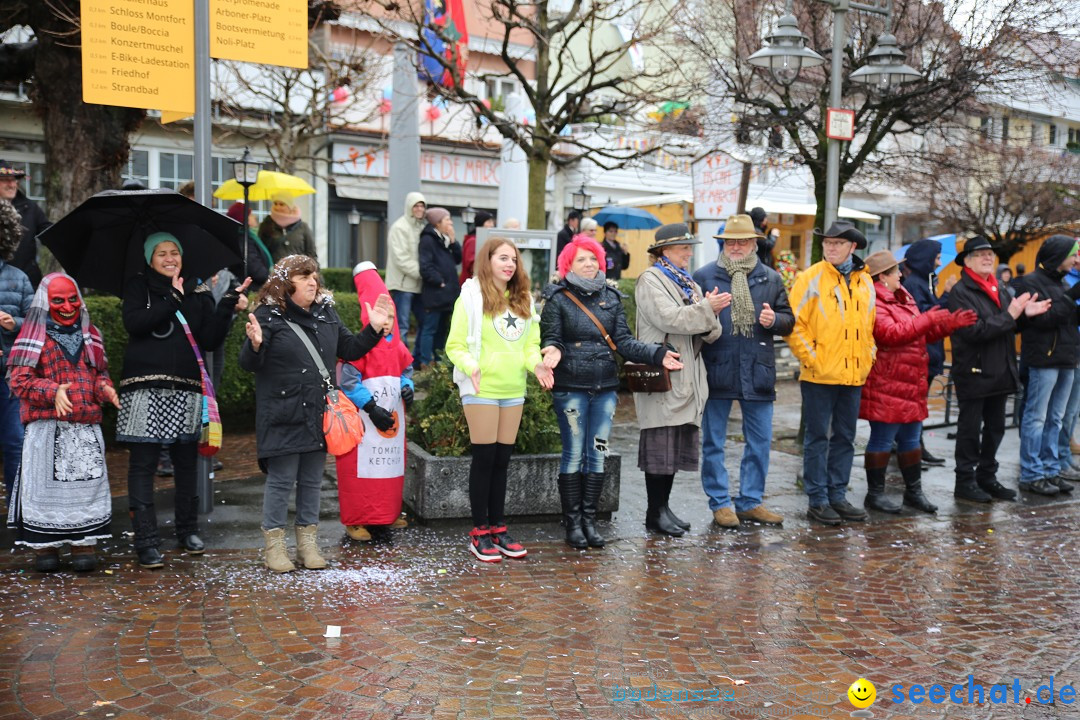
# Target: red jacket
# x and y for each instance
(895, 391)
(36, 387)
(468, 258)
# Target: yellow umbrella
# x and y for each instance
(268, 185)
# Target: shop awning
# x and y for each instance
(780, 207)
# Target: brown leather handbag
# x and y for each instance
(640, 377)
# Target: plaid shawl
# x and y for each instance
(31, 339)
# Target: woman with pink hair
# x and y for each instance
(582, 327)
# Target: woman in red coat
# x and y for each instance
(894, 396)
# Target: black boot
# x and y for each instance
(144, 523)
(658, 488)
(673, 518)
(570, 494)
(968, 489)
(875, 464)
(187, 525)
(594, 486)
(911, 469)
(927, 458)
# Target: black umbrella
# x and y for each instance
(100, 243)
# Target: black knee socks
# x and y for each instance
(497, 491)
(481, 478)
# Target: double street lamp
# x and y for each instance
(786, 54)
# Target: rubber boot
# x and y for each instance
(658, 488)
(277, 556)
(570, 495)
(594, 486)
(875, 464)
(911, 469)
(307, 547)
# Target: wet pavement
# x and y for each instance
(752, 622)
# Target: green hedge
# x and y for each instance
(236, 394)
(341, 279)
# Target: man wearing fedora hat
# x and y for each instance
(984, 370)
(741, 366)
(833, 339)
(32, 218)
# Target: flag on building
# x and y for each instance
(447, 36)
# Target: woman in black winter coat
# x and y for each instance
(290, 395)
(161, 389)
(440, 254)
(587, 377)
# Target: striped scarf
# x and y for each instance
(27, 348)
(210, 431)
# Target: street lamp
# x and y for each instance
(581, 198)
(354, 229)
(786, 54)
(468, 214)
(246, 172)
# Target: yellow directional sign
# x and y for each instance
(139, 53)
(272, 32)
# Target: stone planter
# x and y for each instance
(437, 488)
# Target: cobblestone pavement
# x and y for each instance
(781, 620)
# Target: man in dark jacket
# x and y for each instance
(741, 366)
(439, 255)
(573, 222)
(1050, 349)
(32, 218)
(922, 260)
(984, 369)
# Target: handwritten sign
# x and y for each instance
(365, 161)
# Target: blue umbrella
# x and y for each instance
(627, 218)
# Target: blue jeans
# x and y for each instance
(1047, 395)
(1068, 423)
(584, 423)
(829, 412)
(405, 303)
(432, 336)
(11, 435)
(882, 435)
(757, 430)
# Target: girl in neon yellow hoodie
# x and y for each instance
(494, 341)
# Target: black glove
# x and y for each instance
(380, 416)
(407, 394)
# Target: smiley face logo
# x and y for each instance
(862, 693)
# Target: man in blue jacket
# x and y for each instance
(741, 366)
(923, 258)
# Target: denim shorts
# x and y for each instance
(503, 403)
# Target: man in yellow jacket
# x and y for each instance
(833, 339)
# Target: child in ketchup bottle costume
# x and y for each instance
(59, 372)
(371, 477)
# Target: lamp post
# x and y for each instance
(354, 231)
(786, 54)
(468, 214)
(246, 172)
(581, 199)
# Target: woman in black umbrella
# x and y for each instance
(167, 319)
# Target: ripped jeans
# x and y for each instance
(584, 423)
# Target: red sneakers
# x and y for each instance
(507, 545)
(481, 546)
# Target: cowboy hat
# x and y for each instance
(881, 261)
(846, 231)
(977, 242)
(673, 234)
(739, 227)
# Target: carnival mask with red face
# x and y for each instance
(64, 302)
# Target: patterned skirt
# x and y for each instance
(666, 450)
(62, 492)
(159, 415)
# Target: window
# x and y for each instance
(1053, 134)
(1004, 129)
(776, 138)
(1036, 133)
(1074, 136)
(137, 168)
(986, 125)
(174, 170)
(500, 88)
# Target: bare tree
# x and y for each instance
(585, 66)
(1009, 194)
(288, 110)
(961, 48)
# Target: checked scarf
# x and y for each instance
(742, 304)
